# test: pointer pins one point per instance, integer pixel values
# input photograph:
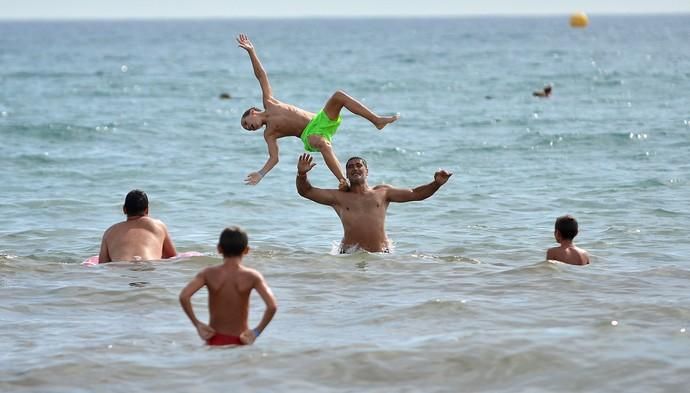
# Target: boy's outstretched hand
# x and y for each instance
(253, 179)
(304, 164)
(441, 176)
(244, 43)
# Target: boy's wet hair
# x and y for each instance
(246, 113)
(567, 226)
(356, 158)
(233, 241)
(136, 203)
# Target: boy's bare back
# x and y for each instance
(229, 287)
(571, 255)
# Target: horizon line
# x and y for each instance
(345, 17)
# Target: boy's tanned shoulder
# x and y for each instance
(251, 273)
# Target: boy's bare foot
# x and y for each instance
(344, 185)
(386, 120)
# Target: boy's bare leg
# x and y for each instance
(331, 160)
(340, 99)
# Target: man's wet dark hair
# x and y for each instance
(136, 203)
(233, 241)
(357, 158)
(246, 113)
(567, 226)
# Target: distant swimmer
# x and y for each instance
(315, 130)
(566, 229)
(229, 286)
(544, 93)
(225, 96)
(362, 209)
(139, 237)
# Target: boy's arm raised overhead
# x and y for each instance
(418, 193)
(273, 157)
(305, 189)
(244, 43)
(198, 282)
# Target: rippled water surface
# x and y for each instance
(90, 110)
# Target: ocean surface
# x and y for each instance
(90, 110)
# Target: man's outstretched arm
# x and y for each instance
(259, 72)
(305, 189)
(418, 193)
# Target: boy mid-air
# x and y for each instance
(315, 130)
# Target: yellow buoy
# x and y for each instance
(579, 19)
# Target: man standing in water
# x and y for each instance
(362, 209)
(139, 237)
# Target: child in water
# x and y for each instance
(565, 231)
(229, 286)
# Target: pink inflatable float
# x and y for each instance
(94, 259)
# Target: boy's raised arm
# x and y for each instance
(244, 43)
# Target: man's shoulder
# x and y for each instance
(149, 219)
(114, 227)
(154, 222)
(382, 190)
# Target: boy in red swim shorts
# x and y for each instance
(229, 286)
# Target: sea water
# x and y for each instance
(90, 110)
